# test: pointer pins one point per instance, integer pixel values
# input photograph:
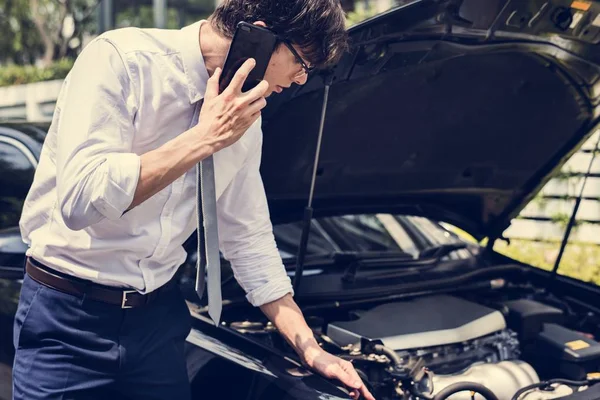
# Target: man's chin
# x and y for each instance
(270, 92)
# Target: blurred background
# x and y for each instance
(39, 39)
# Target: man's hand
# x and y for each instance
(225, 117)
(223, 120)
(334, 367)
(288, 319)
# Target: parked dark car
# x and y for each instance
(20, 145)
(443, 111)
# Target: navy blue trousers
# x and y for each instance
(70, 347)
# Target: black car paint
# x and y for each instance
(215, 355)
(440, 110)
(261, 371)
(28, 134)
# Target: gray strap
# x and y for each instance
(209, 261)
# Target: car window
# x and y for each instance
(288, 236)
(536, 234)
(362, 233)
(16, 175)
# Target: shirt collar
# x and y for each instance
(193, 62)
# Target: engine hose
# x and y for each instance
(391, 354)
(461, 386)
(547, 383)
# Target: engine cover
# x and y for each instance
(422, 322)
(504, 379)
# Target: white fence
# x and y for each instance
(31, 102)
(545, 218)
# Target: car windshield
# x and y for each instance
(385, 233)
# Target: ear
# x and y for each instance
(260, 23)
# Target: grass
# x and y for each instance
(580, 260)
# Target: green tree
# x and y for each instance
(47, 30)
(19, 38)
(360, 14)
(61, 24)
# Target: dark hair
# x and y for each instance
(316, 26)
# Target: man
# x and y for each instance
(114, 198)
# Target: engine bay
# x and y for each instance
(446, 346)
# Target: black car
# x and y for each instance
(443, 110)
(20, 145)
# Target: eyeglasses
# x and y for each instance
(299, 59)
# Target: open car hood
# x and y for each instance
(455, 110)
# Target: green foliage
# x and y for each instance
(360, 14)
(561, 218)
(18, 75)
(536, 253)
(540, 201)
(142, 16)
(580, 260)
(562, 175)
(19, 38)
(46, 30)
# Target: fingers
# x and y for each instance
(252, 112)
(256, 92)
(212, 86)
(256, 106)
(355, 382)
(240, 76)
(365, 393)
(343, 374)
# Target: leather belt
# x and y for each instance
(91, 290)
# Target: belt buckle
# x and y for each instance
(124, 301)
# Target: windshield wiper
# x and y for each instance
(440, 251)
(387, 256)
(346, 257)
(428, 258)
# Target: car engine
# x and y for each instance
(455, 339)
(444, 347)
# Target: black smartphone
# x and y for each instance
(249, 41)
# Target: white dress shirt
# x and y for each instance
(130, 91)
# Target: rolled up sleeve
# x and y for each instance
(246, 236)
(97, 171)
